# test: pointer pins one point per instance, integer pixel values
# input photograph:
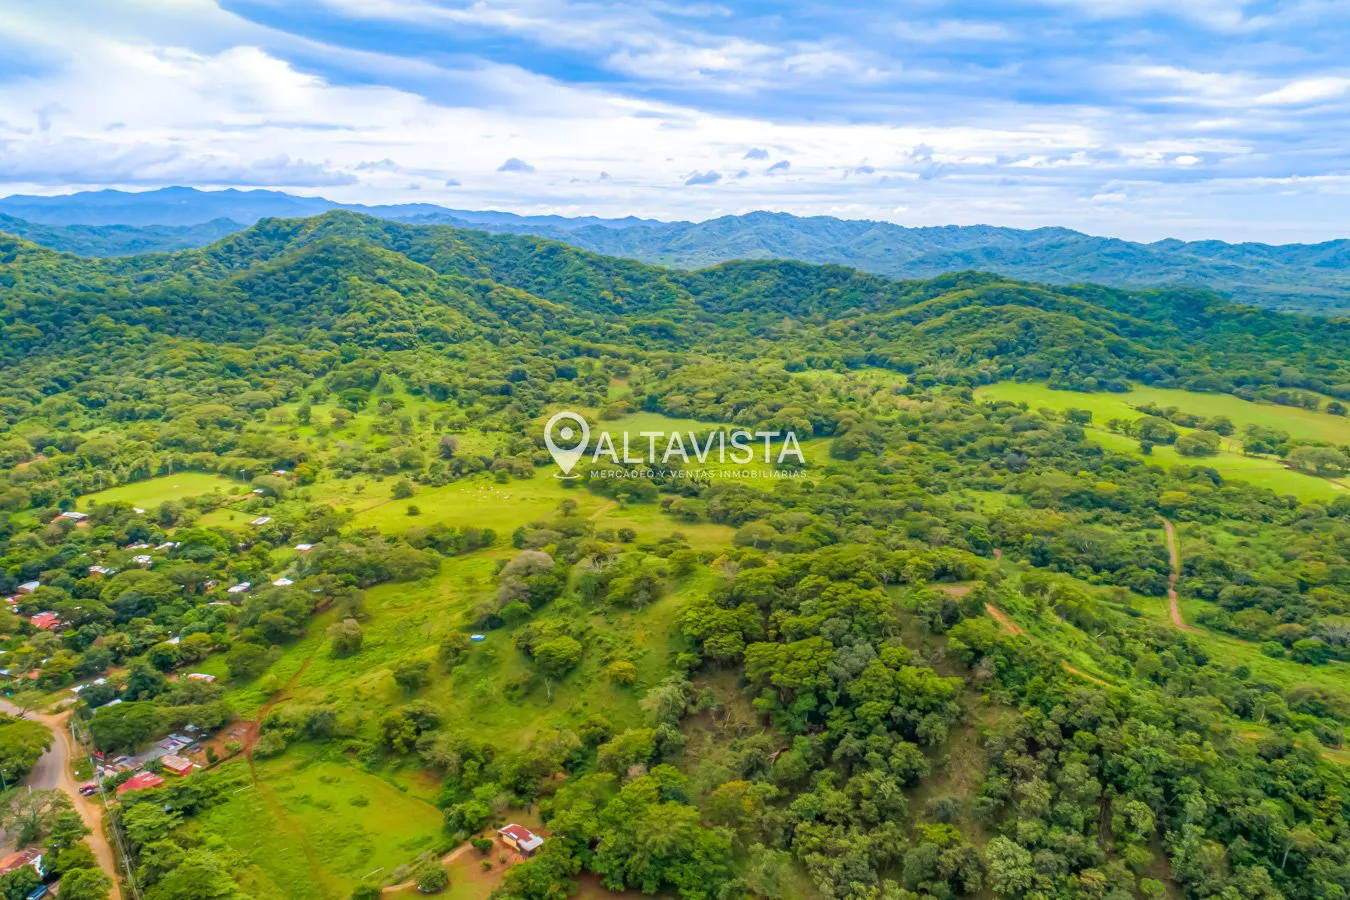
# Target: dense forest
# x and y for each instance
(933, 662)
(1304, 277)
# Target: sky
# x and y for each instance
(1141, 119)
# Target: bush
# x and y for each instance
(411, 674)
(621, 672)
(271, 744)
(345, 637)
(432, 878)
(1199, 443)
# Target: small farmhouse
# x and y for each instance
(20, 858)
(521, 838)
(46, 621)
(141, 782)
(175, 765)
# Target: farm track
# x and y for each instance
(1174, 553)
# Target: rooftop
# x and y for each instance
(524, 838)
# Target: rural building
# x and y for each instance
(20, 858)
(141, 782)
(201, 676)
(175, 765)
(261, 520)
(239, 588)
(28, 587)
(46, 621)
(521, 838)
(283, 582)
(73, 516)
(303, 548)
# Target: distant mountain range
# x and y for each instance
(1305, 277)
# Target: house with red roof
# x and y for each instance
(175, 765)
(141, 782)
(20, 858)
(46, 621)
(521, 838)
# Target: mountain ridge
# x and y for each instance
(370, 282)
(1302, 277)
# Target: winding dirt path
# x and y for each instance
(52, 772)
(1174, 552)
(1002, 618)
(446, 860)
(265, 793)
(1008, 625)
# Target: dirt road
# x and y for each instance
(1008, 625)
(1002, 618)
(52, 772)
(445, 861)
(1175, 554)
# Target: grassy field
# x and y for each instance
(154, 491)
(1233, 651)
(495, 689)
(1300, 423)
(313, 829)
(497, 692)
(1266, 472)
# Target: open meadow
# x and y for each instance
(1230, 462)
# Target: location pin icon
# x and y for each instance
(565, 455)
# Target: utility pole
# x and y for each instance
(111, 825)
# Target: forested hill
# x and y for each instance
(291, 493)
(1313, 278)
(1308, 277)
(368, 282)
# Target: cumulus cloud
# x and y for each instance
(1210, 129)
(781, 166)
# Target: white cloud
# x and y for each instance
(211, 100)
(1307, 90)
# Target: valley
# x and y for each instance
(289, 495)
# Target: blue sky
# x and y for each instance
(1138, 118)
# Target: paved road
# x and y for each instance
(52, 772)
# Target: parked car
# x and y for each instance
(88, 790)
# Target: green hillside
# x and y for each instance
(1306, 277)
(936, 658)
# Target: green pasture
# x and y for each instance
(154, 491)
(314, 828)
(1268, 472)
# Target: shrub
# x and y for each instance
(432, 878)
